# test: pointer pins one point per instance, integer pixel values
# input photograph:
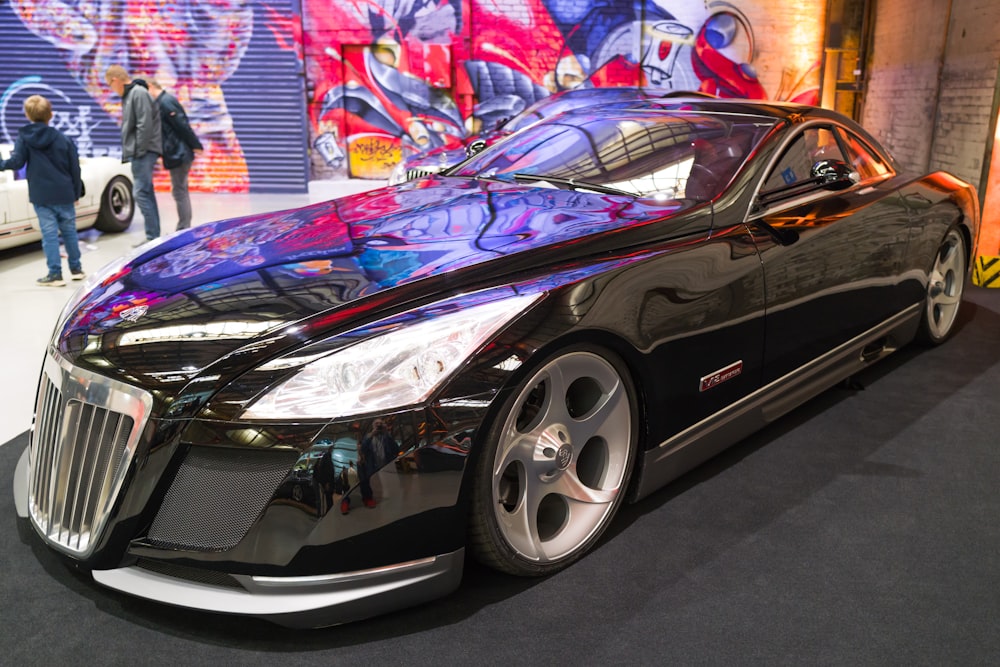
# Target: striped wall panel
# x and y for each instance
(233, 65)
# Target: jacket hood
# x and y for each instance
(281, 278)
(39, 135)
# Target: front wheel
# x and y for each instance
(555, 464)
(117, 206)
(945, 285)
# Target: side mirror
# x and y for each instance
(833, 174)
(474, 147)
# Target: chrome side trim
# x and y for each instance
(83, 439)
(342, 577)
(713, 434)
(301, 602)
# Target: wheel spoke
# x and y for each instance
(947, 258)
(569, 486)
(512, 454)
(606, 418)
(583, 520)
(948, 299)
(521, 526)
(555, 411)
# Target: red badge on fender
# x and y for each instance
(721, 375)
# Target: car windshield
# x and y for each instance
(645, 154)
(568, 101)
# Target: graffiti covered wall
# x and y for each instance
(285, 91)
(391, 77)
(232, 63)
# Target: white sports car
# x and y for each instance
(107, 203)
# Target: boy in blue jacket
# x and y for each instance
(54, 185)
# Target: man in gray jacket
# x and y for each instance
(141, 141)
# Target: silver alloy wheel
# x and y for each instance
(944, 286)
(563, 458)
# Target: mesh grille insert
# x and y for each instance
(217, 495)
(196, 575)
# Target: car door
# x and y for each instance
(831, 257)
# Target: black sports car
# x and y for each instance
(311, 415)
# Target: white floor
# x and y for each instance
(29, 312)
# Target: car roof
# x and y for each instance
(778, 111)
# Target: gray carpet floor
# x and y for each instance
(863, 528)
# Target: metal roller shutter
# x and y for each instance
(257, 115)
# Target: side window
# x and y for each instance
(864, 160)
(811, 146)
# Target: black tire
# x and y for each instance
(117, 206)
(945, 286)
(555, 464)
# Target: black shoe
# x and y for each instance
(78, 274)
(52, 280)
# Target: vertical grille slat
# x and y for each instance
(79, 454)
(73, 416)
(54, 415)
(88, 472)
(81, 448)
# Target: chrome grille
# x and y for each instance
(85, 432)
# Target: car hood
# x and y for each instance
(255, 286)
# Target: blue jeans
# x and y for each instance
(145, 196)
(53, 221)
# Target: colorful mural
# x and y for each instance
(392, 77)
(154, 39)
(194, 48)
(286, 91)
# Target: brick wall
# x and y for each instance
(932, 75)
(904, 68)
(968, 79)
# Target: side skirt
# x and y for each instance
(700, 442)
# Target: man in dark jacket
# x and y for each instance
(141, 141)
(179, 144)
(54, 185)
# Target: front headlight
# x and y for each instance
(390, 370)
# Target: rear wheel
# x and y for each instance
(945, 285)
(556, 463)
(117, 206)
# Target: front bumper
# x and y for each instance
(297, 602)
(300, 602)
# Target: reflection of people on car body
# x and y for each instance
(376, 449)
